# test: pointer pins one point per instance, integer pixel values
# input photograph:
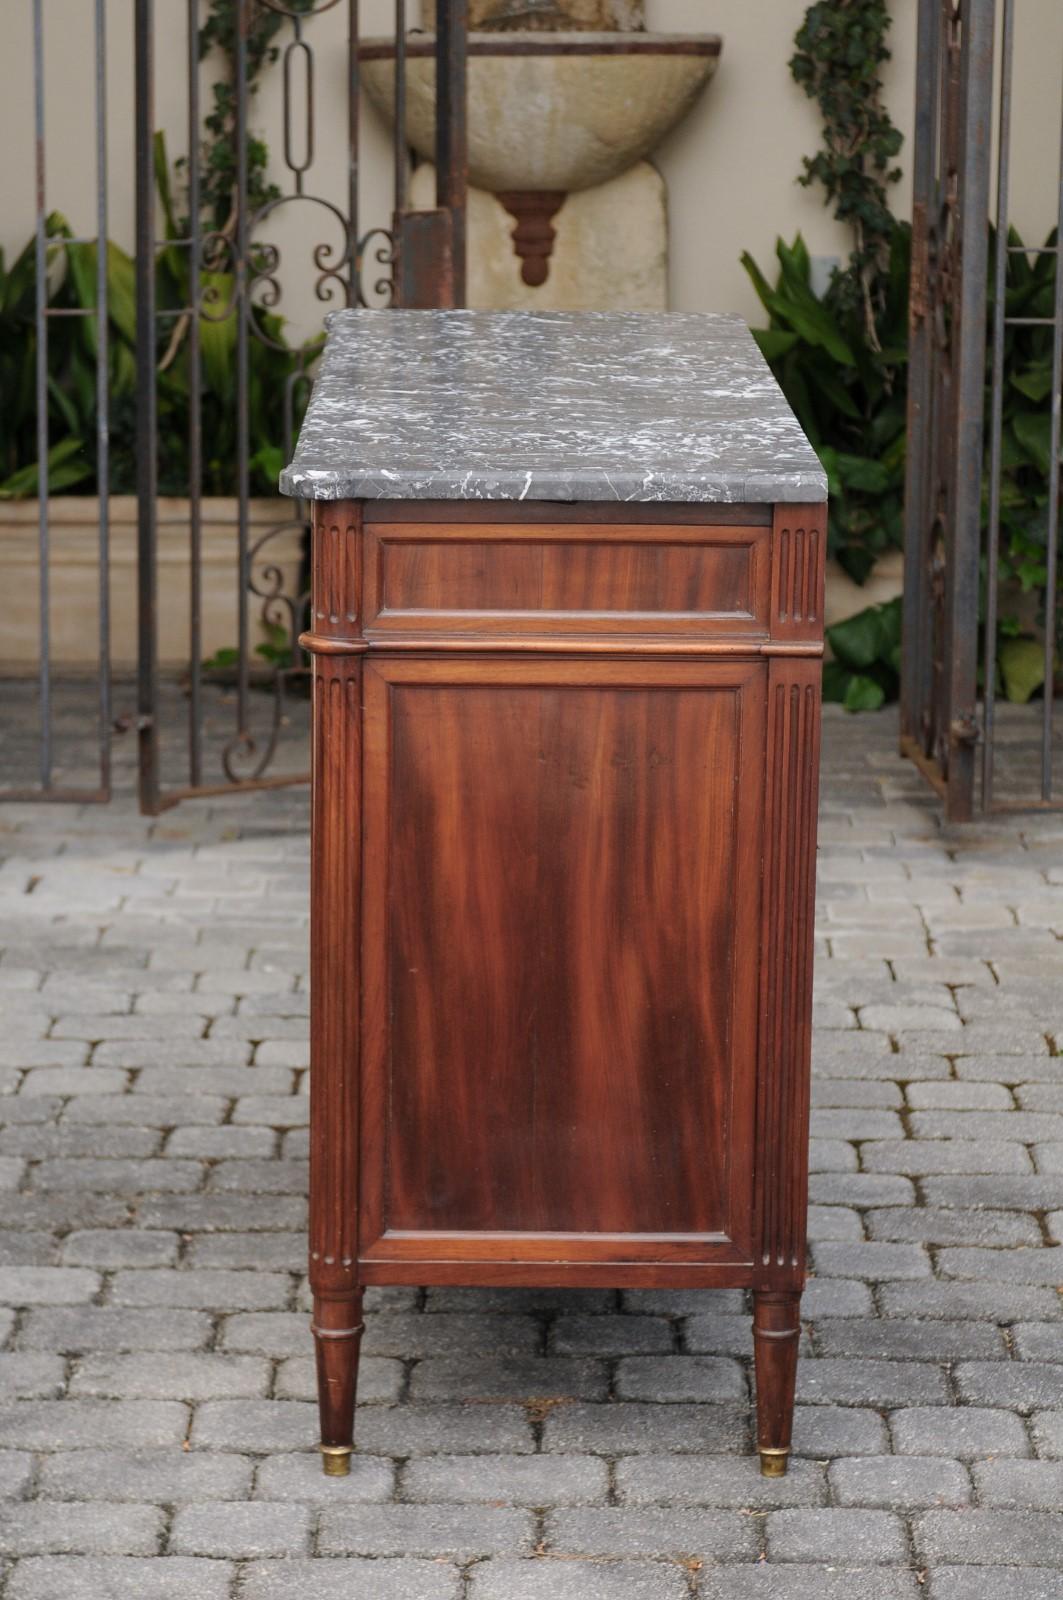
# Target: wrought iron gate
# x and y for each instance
(233, 280)
(960, 506)
(207, 391)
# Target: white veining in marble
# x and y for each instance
(517, 405)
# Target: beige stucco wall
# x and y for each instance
(731, 168)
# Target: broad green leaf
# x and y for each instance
(759, 281)
(859, 640)
(774, 343)
(863, 694)
(859, 472)
(217, 339)
(68, 464)
(835, 682)
(1034, 432)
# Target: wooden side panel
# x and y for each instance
(799, 548)
(791, 789)
(562, 873)
(566, 580)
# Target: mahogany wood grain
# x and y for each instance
(510, 579)
(562, 908)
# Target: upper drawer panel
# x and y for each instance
(564, 579)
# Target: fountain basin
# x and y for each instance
(554, 112)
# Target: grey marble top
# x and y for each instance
(517, 405)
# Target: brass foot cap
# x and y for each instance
(336, 1460)
(773, 1463)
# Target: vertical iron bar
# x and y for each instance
(354, 97)
(400, 105)
(195, 421)
(996, 424)
(451, 137)
(1052, 552)
(103, 464)
(243, 311)
(147, 464)
(914, 677)
(964, 542)
(40, 312)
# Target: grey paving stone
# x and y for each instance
(901, 1483)
(1022, 1538)
(221, 1291)
(27, 1375)
(531, 1302)
(861, 1189)
(120, 1177)
(74, 1424)
(932, 1225)
(835, 1297)
(37, 1528)
(835, 1533)
(509, 1378)
(1038, 1341)
(176, 1376)
(268, 1252)
(299, 1477)
(1009, 1266)
(834, 1222)
(519, 1480)
(824, 1431)
(963, 1432)
(787, 1581)
(611, 1336)
(462, 1532)
(352, 1579)
(213, 1144)
(1030, 1192)
(993, 1302)
(553, 1579)
(872, 1261)
(923, 1157)
(726, 1482)
(258, 1177)
(170, 1476)
(255, 1529)
(1033, 1485)
(656, 1531)
(16, 1473)
(202, 1213)
(449, 1334)
(1047, 1430)
(120, 1578)
(1023, 1385)
(875, 1383)
(891, 1339)
(110, 1248)
(680, 1378)
(995, 1583)
(108, 1328)
(960, 1095)
(43, 1286)
(254, 1425)
(421, 1430)
(620, 1429)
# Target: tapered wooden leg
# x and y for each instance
(776, 1333)
(337, 1329)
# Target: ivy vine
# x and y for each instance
(841, 50)
(219, 186)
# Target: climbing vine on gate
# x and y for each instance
(841, 50)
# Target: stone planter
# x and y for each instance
(74, 569)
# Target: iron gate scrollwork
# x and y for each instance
(231, 274)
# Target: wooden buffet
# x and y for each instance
(565, 755)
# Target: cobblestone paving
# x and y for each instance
(156, 1425)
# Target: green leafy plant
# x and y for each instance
(849, 397)
(841, 50)
(865, 672)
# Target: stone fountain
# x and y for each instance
(566, 101)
